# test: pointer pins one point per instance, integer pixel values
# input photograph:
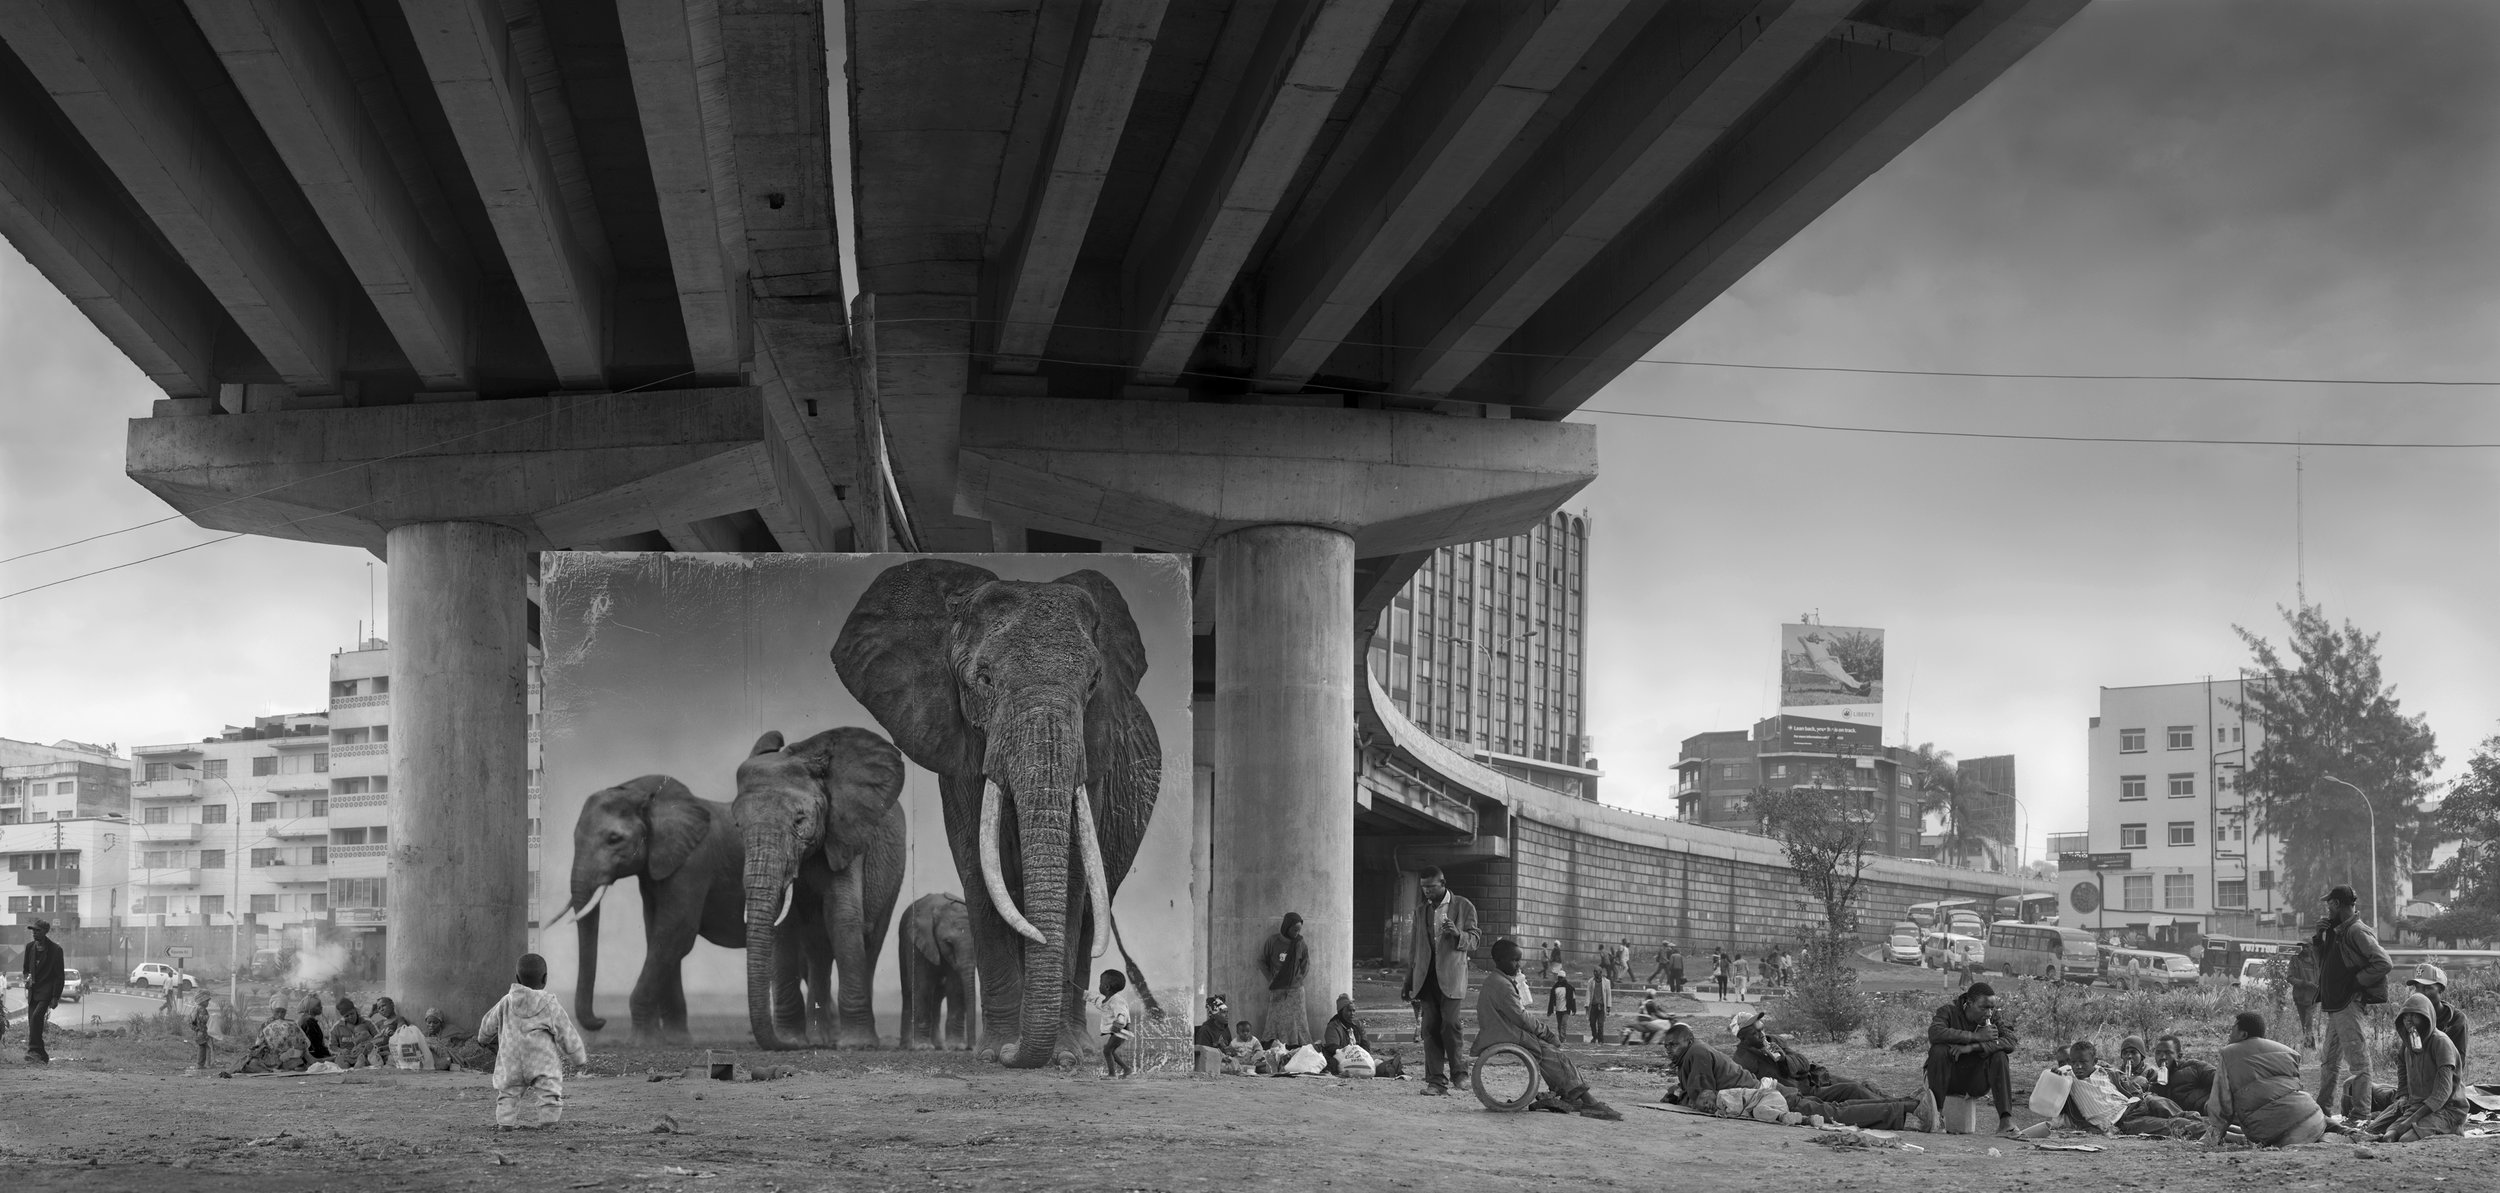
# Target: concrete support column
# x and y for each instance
(1283, 815)
(459, 854)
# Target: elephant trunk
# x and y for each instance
(1040, 756)
(587, 894)
(767, 887)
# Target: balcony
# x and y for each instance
(174, 749)
(365, 749)
(299, 741)
(153, 833)
(49, 879)
(376, 700)
(303, 828)
(314, 784)
(185, 877)
(343, 852)
(185, 788)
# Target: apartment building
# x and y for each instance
(233, 827)
(2165, 796)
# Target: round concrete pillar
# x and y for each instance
(1283, 815)
(459, 854)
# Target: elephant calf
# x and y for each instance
(935, 956)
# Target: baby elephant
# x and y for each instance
(934, 952)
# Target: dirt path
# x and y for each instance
(125, 1120)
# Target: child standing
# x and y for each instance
(199, 1029)
(1116, 1031)
(1561, 1002)
(535, 1036)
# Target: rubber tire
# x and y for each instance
(1475, 1078)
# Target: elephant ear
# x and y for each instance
(892, 656)
(1123, 751)
(679, 822)
(861, 775)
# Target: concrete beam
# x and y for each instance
(65, 217)
(1101, 81)
(1176, 476)
(681, 90)
(469, 56)
(551, 468)
(1838, 130)
(1494, 68)
(1687, 80)
(101, 64)
(1306, 54)
(285, 66)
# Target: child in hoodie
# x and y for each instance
(534, 1036)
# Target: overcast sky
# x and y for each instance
(2250, 188)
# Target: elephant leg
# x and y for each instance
(880, 867)
(670, 923)
(998, 951)
(957, 1034)
(789, 966)
(1080, 976)
(657, 962)
(846, 929)
(673, 1007)
(906, 972)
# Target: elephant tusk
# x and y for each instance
(575, 913)
(789, 897)
(991, 875)
(1089, 845)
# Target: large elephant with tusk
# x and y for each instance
(824, 838)
(1022, 698)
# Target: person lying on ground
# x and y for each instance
(2093, 1102)
(1342, 1029)
(1703, 1074)
(1650, 1022)
(1502, 1018)
(281, 1047)
(2427, 1100)
(351, 1042)
(1766, 1055)
(2257, 1089)
(1968, 1047)
(534, 1038)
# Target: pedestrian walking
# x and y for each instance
(42, 969)
(1675, 969)
(1444, 932)
(1718, 972)
(1286, 960)
(1662, 965)
(533, 1037)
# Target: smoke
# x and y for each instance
(317, 965)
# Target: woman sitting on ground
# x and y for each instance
(2427, 1102)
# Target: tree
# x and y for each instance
(1828, 840)
(2471, 816)
(2328, 712)
(1957, 799)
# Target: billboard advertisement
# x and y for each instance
(841, 702)
(1832, 672)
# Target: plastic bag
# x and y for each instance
(1353, 1061)
(2048, 1098)
(408, 1049)
(1764, 1104)
(1305, 1061)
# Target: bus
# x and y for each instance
(2230, 955)
(2043, 951)
(1948, 915)
(2036, 907)
(2454, 961)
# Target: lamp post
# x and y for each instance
(234, 909)
(2368, 807)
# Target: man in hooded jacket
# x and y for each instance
(1286, 960)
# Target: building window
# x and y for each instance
(212, 859)
(2230, 892)
(2131, 836)
(267, 764)
(347, 836)
(381, 684)
(262, 858)
(265, 904)
(342, 688)
(1779, 770)
(321, 855)
(321, 764)
(2182, 784)
(2178, 892)
(213, 814)
(320, 807)
(2131, 787)
(155, 905)
(2130, 741)
(2136, 892)
(2183, 737)
(212, 905)
(65, 787)
(265, 811)
(2183, 832)
(158, 772)
(155, 815)
(153, 859)
(213, 768)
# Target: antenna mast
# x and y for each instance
(2300, 531)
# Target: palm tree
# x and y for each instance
(1957, 798)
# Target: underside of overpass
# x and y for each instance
(1302, 287)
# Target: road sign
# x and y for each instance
(177, 950)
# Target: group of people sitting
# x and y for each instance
(298, 1039)
(1242, 1051)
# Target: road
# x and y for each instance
(98, 1007)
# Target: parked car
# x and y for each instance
(73, 986)
(1902, 949)
(157, 973)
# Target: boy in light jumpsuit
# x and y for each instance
(536, 1037)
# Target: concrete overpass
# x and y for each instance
(1300, 286)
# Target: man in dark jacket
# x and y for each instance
(1443, 933)
(1217, 1031)
(2352, 977)
(1968, 1051)
(1286, 960)
(2187, 1083)
(42, 968)
(1766, 1055)
(2304, 982)
(1700, 1068)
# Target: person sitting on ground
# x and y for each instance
(1342, 1029)
(1968, 1049)
(2431, 982)
(1562, 1001)
(281, 1047)
(536, 1036)
(2187, 1084)
(457, 1049)
(1703, 1073)
(1502, 1018)
(384, 1017)
(2093, 1102)
(2257, 1089)
(1766, 1055)
(1216, 1031)
(2148, 1113)
(2427, 1100)
(351, 1042)
(1651, 1021)
(309, 1022)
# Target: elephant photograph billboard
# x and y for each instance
(783, 794)
(1832, 672)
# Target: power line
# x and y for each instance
(177, 551)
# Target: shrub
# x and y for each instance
(1826, 998)
(1898, 1015)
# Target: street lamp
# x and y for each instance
(2373, 843)
(234, 909)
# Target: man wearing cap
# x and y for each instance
(42, 968)
(2431, 982)
(2352, 977)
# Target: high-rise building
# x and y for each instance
(2164, 768)
(233, 828)
(1717, 774)
(1484, 649)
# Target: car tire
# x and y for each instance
(140, 983)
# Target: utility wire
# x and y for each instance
(176, 551)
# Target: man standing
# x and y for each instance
(1675, 969)
(1601, 1000)
(42, 968)
(1444, 932)
(2352, 977)
(1968, 1051)
(1286, 960)
(2303, 976)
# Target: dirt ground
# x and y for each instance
(118, 1114)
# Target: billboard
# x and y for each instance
(677, 664)
(1832, 672)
